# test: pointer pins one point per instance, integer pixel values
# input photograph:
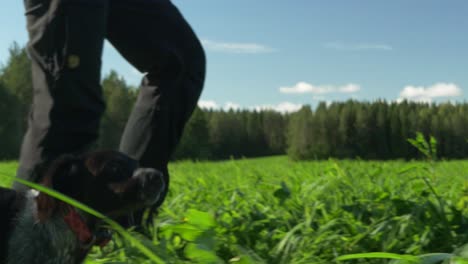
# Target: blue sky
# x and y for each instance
(281, 54)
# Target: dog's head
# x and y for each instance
(107, 181)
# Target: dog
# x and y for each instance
(36, 228)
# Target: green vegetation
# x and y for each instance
(273, 210)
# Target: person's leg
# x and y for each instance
(154, 37)
(65, 46)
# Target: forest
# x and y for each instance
(351, 129)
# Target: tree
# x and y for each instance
(17, 79)
(300, 138)
(255, 136)
(274, 131)
(195, 142)
(362, 130)
(120, 99)
(9, 130)
(395, 134)
(225, 129)
(346, 130)
(321, 147)
(382, 131)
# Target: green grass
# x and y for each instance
(9, 169)
(273, 210)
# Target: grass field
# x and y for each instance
(273, 210)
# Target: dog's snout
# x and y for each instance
(148, 176)
(151, 184)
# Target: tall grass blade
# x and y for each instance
(380, 255)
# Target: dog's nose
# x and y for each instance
(151, 184)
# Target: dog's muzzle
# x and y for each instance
(151, 185)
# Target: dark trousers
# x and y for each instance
(65, 44)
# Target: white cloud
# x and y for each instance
(303, 87)
(349, 88)
(427, 94)
(284, 107)
(358, 46)
(287, 107)
(231, 105)
(233, 47)
(209, 104)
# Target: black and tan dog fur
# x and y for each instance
(32, 225)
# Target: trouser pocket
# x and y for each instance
(46, 32)
(85, 29)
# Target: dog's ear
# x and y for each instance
(65, 176)
(62, 176)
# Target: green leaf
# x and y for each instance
(199, 219)
(283, 192)
(458, 260)
(200, 254)
(381, 255)
(462, 252)
(186, 231)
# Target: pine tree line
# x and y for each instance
(377, 130)
(218, 134)
(351, 129)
